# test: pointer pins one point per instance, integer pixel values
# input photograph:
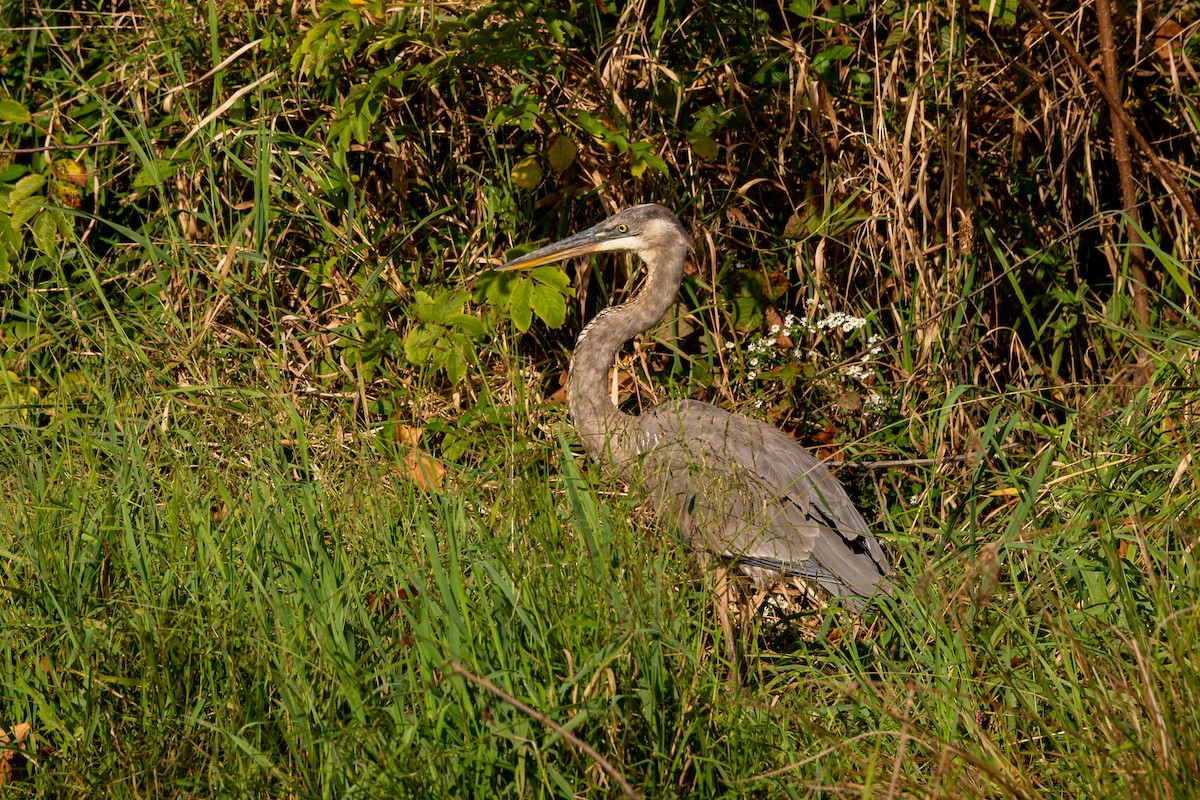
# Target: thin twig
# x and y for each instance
(600, 760)
(53, 148)
(920, 462)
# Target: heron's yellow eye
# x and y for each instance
(622, 228)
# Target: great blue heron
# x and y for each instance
(735, 486)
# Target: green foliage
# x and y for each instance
(31, 196)
(232, 320)
(443, 337)
(542, 291)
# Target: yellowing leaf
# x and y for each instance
(66, 195)
(69, 170)
(702, 145)
(562, 153)
(527, 174)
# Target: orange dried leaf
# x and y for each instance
(424, 470)
(407, 435)
(12, 758)
(1168, 40)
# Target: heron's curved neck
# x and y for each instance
(606, 431)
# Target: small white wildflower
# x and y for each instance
(774, 329)
(751, 375)
(754, 362)
(851, 324)
(729, 345)
(758, 403)
(912, 501)
(856, 372)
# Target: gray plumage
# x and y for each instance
(731, 485)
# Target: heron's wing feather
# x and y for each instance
(743, 488)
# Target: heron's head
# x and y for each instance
(645, 230)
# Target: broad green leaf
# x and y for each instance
(836, 53)
(472, 326)
(14, 112)
(549, 304)
(10, 234)
(64, 224)
(495, 287)
(702, 145)
(45, 234)
(644, 161)
(519, 304)
(26, 210)
(552, 276)
(26, 187)
(591, 124)
(1000, 12)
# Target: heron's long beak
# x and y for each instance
(579, 244)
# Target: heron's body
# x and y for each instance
(731, 485)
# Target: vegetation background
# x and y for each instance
(290, 508)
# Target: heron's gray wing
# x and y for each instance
(743, 488)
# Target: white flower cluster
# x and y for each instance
(857, 372)
(839, 321)
(763, 352)
(875, 403)
(860, 371)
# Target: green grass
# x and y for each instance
(220, 592)
(218, 576)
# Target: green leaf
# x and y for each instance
(418, 345)
(643, 161)
(14, 112)
(549, 304)
(591, 125)
(26, 211)
(45, 234)
(552, 276)
(26, 187)
(495, 287)
(836, 53)
(522, 312)
(1000, 12)
(702, 145)
(10, 234)
(472, 326)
